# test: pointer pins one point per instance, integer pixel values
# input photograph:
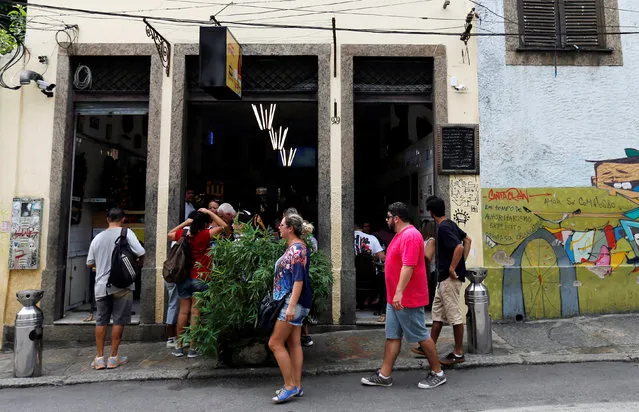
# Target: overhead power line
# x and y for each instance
(310, 12)
(492, 12)
(264, 25)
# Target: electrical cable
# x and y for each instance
(492, 12)
(211, 4)
(65, 31)
(338, 12)
(18, 53)
(82, 83)
(275, 9)
(265, 25)
(624, 10)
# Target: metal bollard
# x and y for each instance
(478, 323)
(27, 344)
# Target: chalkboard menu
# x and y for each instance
(458, 149)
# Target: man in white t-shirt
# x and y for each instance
(367, 243)
(111, 301)
(188, 203)
(368, 251)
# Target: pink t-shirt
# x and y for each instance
(407, 249)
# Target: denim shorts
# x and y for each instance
(172, 303)
(187, 288)
(300, 313)
(408, 322)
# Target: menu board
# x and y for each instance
(458, 149)
(26, 226)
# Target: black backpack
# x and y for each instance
(124, 266)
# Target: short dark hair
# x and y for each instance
(436, 205)
(400, 210)
(115, 214)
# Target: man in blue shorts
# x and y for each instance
(407, 294)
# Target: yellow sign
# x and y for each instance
(233, 64)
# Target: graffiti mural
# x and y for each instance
(558, 252)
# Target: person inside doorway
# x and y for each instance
(188, 202)
(384, 236)
(214, 205)
(368, 252)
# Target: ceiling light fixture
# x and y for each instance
(287, 160)
(277, 138)
(264, 116)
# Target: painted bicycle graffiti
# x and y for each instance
(559, 252)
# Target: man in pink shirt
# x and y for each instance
(407, 294)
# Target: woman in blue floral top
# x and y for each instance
(291, 283)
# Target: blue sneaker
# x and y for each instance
(300, 393)
(285, 395)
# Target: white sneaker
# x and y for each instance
(171, 343)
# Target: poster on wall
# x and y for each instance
(26, 223)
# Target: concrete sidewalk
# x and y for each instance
(582, 339)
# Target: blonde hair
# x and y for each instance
(307, 228)
(300, 227)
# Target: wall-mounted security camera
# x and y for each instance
(457, 86)
(45, 87)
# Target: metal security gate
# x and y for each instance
(115, 74)
(265, 78)
(388, 79)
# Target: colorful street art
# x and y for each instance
(559, 252)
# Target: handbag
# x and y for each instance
(269, 311)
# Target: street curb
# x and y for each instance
(472, 361)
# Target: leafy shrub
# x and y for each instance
(242, 274)
(12, 29)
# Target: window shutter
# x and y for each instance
(538, 23)
(580, 20)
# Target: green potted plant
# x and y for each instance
(241, 274)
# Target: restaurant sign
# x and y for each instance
(220, 63)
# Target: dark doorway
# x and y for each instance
(231, 159)
(393, 159)
(394, 145)
(109, 170)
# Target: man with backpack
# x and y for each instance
(114, 283)
(453, 247)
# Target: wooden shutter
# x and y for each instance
(538, 23)
(580, 23)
